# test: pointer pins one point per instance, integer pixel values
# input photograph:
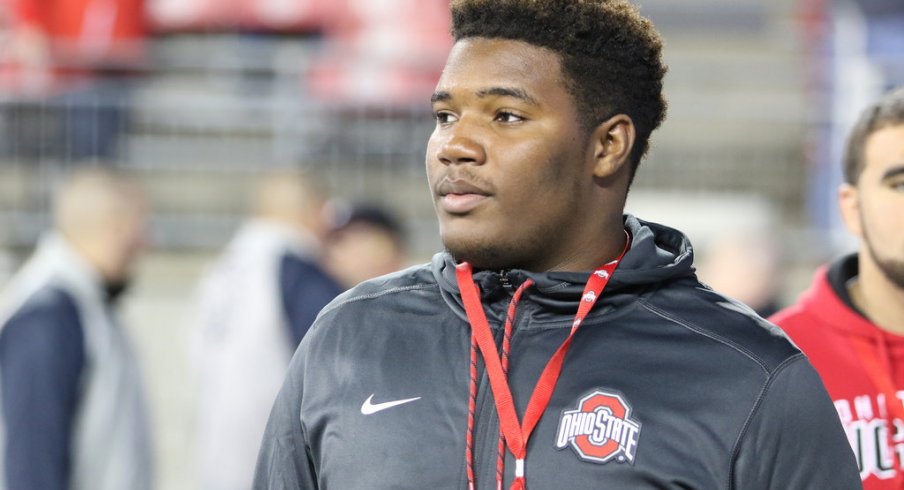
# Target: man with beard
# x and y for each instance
(850, 323)
(556, 343)
(71, 401)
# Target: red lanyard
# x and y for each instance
(517, 435)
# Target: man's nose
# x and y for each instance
(461, 147)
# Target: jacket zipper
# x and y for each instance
(506, 282)
(486, 437)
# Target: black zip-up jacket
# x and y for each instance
(667, 385)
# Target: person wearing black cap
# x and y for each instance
(366, 241)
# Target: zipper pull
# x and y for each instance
(504, 279)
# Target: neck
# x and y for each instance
(878, 298)
(595, 250)
(96, 257)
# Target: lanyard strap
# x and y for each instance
(517, 434)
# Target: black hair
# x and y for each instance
(885, 112)
(611, 55)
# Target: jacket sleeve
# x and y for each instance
(305, 290)
(794, 438)
(284, 461)
(41, 360)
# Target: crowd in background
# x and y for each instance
(84, 57)
(74, 406)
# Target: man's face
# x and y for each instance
(129, 237)
(880, 192)
(362, 251)
(509, 164)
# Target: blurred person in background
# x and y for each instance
(366, 241)
(73, 408)
(744, 265)
(255, 305)
(380, 53)
(72, 61)
(850, 323)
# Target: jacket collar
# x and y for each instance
(823, 300)
(54, 262)
(658, 254)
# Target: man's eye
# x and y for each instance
(443, 117)
(508, 117)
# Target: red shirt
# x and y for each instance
(86, 32)
(842, 345)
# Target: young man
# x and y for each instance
(556, 343)
(71, 400)
(851, 321)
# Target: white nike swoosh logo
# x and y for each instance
(369, 408)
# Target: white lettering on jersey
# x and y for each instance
(868, 433)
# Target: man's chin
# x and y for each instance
(890, 267)
(893, 270)
(480, 254)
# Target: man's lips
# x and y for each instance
(460, 196)
(460, 203)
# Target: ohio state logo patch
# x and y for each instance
(600, 429)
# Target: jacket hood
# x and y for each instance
(823, 301)
(658, 254)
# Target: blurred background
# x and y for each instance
(197, 97)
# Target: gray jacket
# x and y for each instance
(666, 385)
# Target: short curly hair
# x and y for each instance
(611, 55)
(885, 112)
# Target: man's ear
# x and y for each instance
(612, 142)
(849, 204)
